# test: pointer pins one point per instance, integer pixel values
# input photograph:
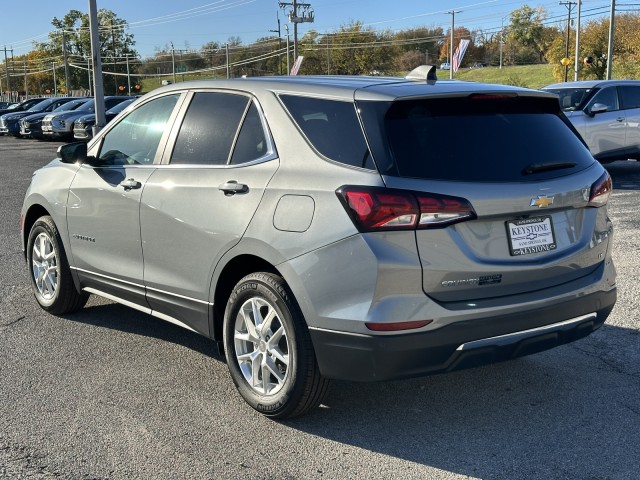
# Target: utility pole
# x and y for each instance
(6, 66)
(66, 62)
(115, 69)
(576, 63)
(279, 43)
(612, 18)
(569, 6)
(286, 27)
(173, 62)
(55, 82)
(226, 47)
(97, 68)
(26, 83)
(501, 41)
(306, 16)
(453, 24)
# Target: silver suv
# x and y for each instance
(606, 113)
(332, 227)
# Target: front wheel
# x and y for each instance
(50, 273)
(268, 348)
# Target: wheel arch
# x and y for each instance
(33, 213)
(235, 269)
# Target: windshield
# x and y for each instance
(40, 105)
(571, 98)
(121, 106)
(72, 105)
(87, 106)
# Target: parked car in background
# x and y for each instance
(10, 122)
(83, 126)
(31, 126)
(60, 125)
(319, 227)
(22, 106)
(6, 105)
(445, 66)
(606, 113)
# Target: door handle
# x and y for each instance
(130, 183)
(232, 187)
(620, 119)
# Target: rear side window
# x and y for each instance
(630, 97)
(332, 128)
(471, 140)
(209, 129)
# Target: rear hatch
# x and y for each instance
(510, 200)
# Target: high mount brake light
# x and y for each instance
(379, 208)
(600, 191)
(492, 96)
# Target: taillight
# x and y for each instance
(600, 191)
(378, 208)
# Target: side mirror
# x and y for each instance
(73, 152)
(597, 108)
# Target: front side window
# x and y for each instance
(209, 129)
(606, 96)
(135, 139)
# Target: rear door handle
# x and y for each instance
(130, 183)
(620, 119)
(232, 187)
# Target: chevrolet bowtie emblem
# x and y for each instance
(542, 201)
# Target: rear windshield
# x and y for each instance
(473, 139)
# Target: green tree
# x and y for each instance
(528, 35)
(116, 45)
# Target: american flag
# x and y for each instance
(459, 54)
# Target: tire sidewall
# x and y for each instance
(285, 399)
(41, 226)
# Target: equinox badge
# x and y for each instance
(542, 201)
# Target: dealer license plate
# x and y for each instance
(531, 235)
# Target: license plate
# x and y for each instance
(531, 235)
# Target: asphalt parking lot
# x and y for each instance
(113, 393)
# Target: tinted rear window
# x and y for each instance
(332, 127)
(463, 139)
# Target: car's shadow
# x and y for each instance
(572, 412)
(124, 319)
(625, 174)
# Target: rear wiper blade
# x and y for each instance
(546, 167)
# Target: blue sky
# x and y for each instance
(191, 23)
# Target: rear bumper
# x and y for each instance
(357, 357)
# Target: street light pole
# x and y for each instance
(576, 64)
(98, 89)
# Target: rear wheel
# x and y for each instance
(50, 274)
(268, 348)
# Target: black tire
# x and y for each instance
(50, 275)
(283, 345)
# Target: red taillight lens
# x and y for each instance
(600, 191)
(440, 210)
(397, 326)
(378, 208)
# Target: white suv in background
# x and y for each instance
(606, 113)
